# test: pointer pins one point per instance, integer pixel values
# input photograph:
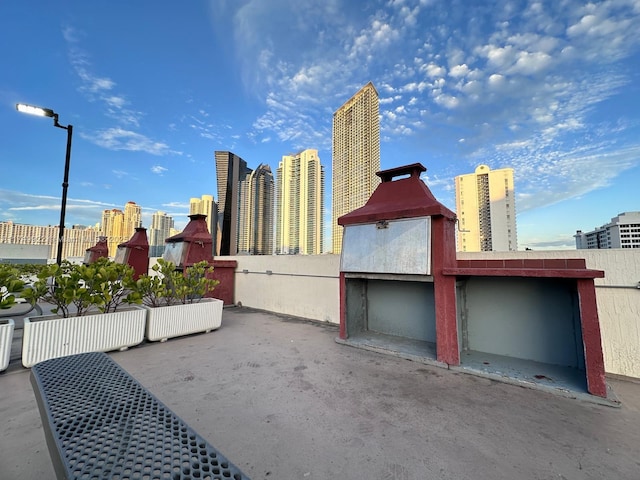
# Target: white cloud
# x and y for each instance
(530, 63)
(159, 170)
(120, 139)
(434, 71)
(496, 80)
(447, 101)
(459, 71)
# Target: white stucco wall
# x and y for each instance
(21, 253)
(299, 285)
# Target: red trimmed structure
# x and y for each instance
(200, 244)
(567, 268)
(99, 250)
(224, 271)
(136, 252)
(409, 197)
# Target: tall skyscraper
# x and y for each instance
(255, 229)
(206, 205)
(486, 209)
(299, 204)
(132, 219)
(231, 170)
(356, 155)
(112, 227)
(161, 226)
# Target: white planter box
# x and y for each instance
(177, 320)
(49, 336)
(6, 336)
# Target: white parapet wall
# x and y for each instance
(618, 298)
(299, 285)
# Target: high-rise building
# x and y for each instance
(299, 204)
(206, 205)
(255, 228)
(76, 239)
(112, 227)
(231, 170)
(486, 210)
(132, 219)
(161, 226)
(622, 232)
(355, 155)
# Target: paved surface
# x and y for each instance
(283, 400)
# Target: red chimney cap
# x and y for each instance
(395, 199)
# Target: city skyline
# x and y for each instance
(547, 88)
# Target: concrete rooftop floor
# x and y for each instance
(282, 400)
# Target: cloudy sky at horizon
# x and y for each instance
(549, 88)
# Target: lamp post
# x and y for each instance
(46, 112)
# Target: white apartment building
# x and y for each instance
(355, 156)
(622, 232)
(75, 243)
(486, 210)
(299, 204)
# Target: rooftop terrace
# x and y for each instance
(282, 400)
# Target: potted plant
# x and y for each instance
(94, 311)
(176, 301)
(10, 284)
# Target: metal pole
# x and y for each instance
(65, 186)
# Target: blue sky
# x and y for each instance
(549, 88)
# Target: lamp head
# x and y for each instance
(33, 110)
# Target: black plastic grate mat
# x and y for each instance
(100, 423)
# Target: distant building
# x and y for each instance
(299, 204)
(112, 227)
(622, 232)
(486, 210)
(132, 219)
(76, 239)
(206, 205)
(161, 229)
(255, 226)
(355, 156)
(119, 226)
(231, 170)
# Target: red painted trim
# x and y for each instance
(554, 263)
(343, 307)
(444, 256)
(539, 263)
(403, 198)
(523, 272)
(594, 359)
(224, 263)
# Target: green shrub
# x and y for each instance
(76, 290)
(170, 287)
(10, 284)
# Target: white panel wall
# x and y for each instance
(300, 285)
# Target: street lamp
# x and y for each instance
(46, 112)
